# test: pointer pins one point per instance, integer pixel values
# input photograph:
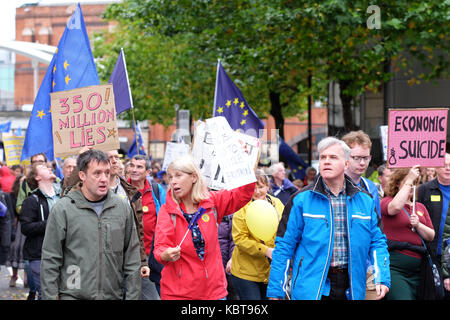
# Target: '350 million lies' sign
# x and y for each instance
(84, 117)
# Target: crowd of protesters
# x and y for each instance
(112, 228)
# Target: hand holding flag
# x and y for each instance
(194, 221)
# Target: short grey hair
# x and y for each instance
(275, 167)
(331, 141)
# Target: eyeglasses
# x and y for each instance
(359, 158)
(38, 161)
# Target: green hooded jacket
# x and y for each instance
(85, 256)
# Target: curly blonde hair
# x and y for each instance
(395, 179)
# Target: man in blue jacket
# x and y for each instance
(329, 230)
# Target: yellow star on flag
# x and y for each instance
(236, 101)
(242, 105)
(245, 113)
(243, 122)
(220, 109)
(228, 103)
(54, 68)
(67, 79)
(40, 114)
(66, 65)
(53, 84)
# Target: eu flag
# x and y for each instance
(121, 86)
(72, 67)
(230, 103)
(295, 163)
(133, 150)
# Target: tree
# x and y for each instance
(248, 36)
(270, 48)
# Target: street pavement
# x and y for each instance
(15, 293)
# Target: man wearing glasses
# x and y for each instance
(360, 144)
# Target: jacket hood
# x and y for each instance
(5, 172)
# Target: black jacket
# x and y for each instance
(6, 225)
(33, 218)
(434, 207)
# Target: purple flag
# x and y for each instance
(121, 86)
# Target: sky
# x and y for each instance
(8, 14)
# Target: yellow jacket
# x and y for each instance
(248, 260)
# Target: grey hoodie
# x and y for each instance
(84, 255)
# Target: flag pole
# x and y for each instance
(215, 90)
(135, 131)
(131, 99)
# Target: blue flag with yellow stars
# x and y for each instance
(72, 67)
(230, 103)
(296, 164)
(133, 150)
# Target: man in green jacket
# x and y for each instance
(90, 243)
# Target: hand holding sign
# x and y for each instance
(84, 117)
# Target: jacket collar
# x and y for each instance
(173, 207)
(350, 188)
(82, 203)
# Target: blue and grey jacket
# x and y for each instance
(306, 235)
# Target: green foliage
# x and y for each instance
(267, 47)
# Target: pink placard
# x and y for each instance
(417, 136)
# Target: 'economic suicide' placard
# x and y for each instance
(417, 136)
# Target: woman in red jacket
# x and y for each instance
(193, 270)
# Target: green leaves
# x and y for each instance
(172, 49)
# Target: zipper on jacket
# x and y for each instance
(349, 250)
(329, 248)
(101, 258)
(298, 271)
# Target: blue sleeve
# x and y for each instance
(284, 250)
(379, 254)
(162, 195)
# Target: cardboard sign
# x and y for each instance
(204, 155)
(235, 163)
(173, 151)
(13, 148)
(224, 156)
(384, 141)
(84, 117)
(417, 136)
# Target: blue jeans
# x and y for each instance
(30, 280)
(35, 266)
(249, 290)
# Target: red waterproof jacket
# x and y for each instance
(190, 278)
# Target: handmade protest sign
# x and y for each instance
(13, 148)
(216, 148)
(204, 155)
(417, 136)
(234, 162)
(173, 151)
(84, 117)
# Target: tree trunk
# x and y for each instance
(346, 100)
(275, 112)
